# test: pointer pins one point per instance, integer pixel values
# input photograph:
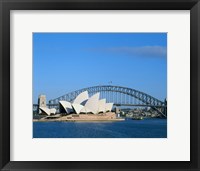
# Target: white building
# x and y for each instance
(48, 111)
(66, 106)
(85, 104)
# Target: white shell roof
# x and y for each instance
(77, 107)
(85, 110)
(66, 105)
(48, 111)
(102, 105)
(109, 106)
(92, 103)
(45, 110)
(81, 97)
(52, 110)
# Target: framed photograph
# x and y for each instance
(99, 85)
(105, 110)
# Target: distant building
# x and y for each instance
(117, 110)
(41, 102)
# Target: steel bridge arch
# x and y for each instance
(143, 97)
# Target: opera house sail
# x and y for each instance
(92, 103)
(81, 98)
(65, 107)
(102, 105)
(47, 111)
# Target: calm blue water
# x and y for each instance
(147, 128)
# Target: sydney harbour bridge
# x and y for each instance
(120, 96)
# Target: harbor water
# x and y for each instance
(147, 128)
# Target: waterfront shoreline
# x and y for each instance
(54, 120)
(106, 117)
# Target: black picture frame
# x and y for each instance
(7, 5)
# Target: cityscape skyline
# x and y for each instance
(65, 62)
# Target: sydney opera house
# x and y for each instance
(82, 104)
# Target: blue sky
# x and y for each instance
(65, 62)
